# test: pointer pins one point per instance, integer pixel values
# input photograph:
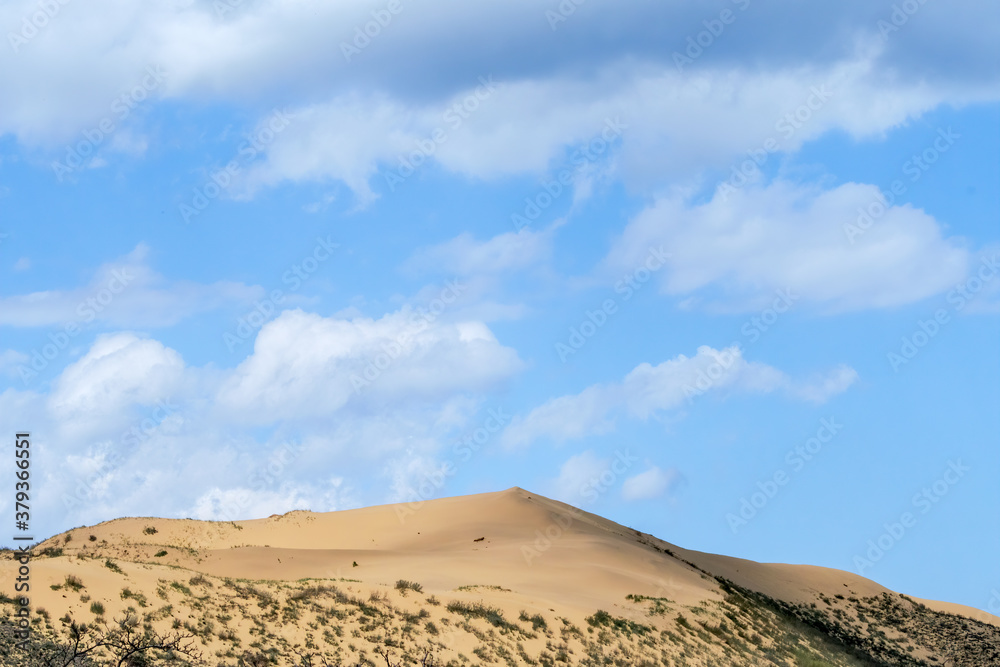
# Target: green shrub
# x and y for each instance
(97, 608)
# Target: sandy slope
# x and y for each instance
(512, 549)
(531, 544)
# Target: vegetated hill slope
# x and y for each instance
(498, 578)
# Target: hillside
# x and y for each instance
(499, 578)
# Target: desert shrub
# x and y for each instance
(97, 608)
(150, 530)
(178, 586)
(160, 554)
(492, 615)
(403, 585)
(73, 581)
(537, 622)
(199, 580)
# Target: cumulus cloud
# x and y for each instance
(305, 365)
(119, 370)
(130, 427)
(740, 247)
(648, 390)
(666, 126)
(71, 69)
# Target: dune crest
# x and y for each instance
(456, 578)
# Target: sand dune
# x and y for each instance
(514, 551)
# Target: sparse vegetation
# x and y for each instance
(403, 586)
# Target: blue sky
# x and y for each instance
(725, 273)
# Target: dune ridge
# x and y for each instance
(592, 591)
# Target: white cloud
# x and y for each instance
(651, 483)
(22, 264)
(247, 503)
(130, 428)
(305, 365)
(119, 371)
(10, 360)
(576, 475)
(464, 255)
(672, 126)
(123, 293)
(648, 390)
(740, 247)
